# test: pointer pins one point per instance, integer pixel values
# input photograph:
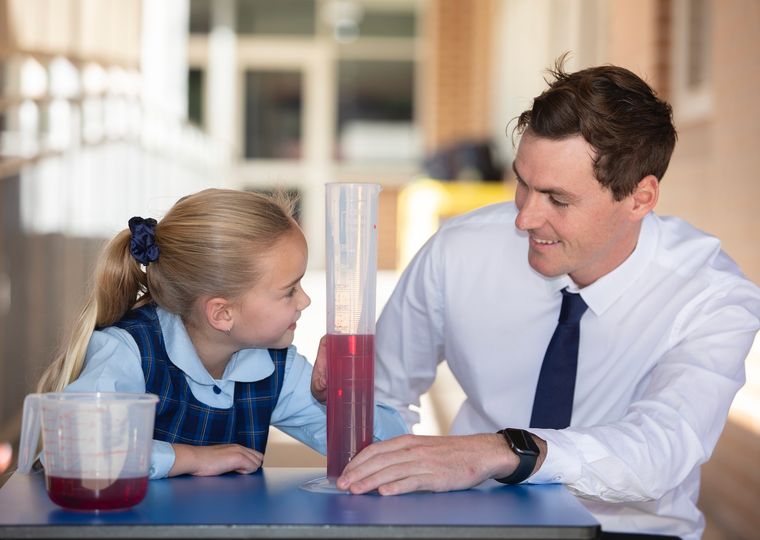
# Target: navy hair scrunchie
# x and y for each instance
(143, 245)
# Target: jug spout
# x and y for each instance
(30, 433)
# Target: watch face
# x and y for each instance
(523, 442)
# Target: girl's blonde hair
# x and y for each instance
(207, 244)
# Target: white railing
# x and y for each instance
(90, 153)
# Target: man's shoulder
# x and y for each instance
(685, 247)
(694, 254)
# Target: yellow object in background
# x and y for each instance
(425, 204)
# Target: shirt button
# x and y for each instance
(217, 390)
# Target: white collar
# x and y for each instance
(246, 365)
(602, 293)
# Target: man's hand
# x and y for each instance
(215, 459)
(319, 374)
(6, 454)
(419, 463)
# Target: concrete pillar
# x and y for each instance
(222, 75)
(164, 57)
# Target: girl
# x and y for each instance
(200, 309)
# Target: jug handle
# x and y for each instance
(30, 433)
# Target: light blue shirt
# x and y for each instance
(112, 364)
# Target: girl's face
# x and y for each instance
(266, 315)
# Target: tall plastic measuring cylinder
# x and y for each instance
(351, 241)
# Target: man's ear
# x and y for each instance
(218, 313)
(645, 196)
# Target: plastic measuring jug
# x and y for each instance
(96, 446)
(351, 240)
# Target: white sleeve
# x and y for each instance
(675, 425)
(409, 336)
(112, 364)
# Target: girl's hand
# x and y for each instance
(319, 374)
(215, 459)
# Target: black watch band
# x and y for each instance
(522, 444)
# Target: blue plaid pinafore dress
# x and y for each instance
(180, 417)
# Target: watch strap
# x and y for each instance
(527, 461)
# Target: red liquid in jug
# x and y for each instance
(350, 398)
(85, 494)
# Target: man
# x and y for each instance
(655, 322)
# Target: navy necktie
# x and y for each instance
(553, 404)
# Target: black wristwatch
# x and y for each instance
(522, 444)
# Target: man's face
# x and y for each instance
(574, 225)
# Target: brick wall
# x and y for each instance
(458, 74)
(387, 209)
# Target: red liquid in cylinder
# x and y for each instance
(96, 494)
(350, 398)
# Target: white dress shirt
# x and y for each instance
(662, 350)
(112, 364)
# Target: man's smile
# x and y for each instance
(542, 241)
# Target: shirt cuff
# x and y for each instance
(161, 460)
(388, 423)
(562, 464)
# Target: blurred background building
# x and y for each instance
(114, 108)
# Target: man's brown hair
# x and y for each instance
(616, 112)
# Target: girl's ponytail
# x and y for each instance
(119, 285)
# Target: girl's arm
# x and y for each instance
(300, 415)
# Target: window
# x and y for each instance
(388, 23)
(273, 104)
(375, 110)
(200, 16)
(328, 82)
(195, 96)
(692, 100)
(283, 17)
(697, 44)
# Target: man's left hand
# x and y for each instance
(319, 373)
(423, 463)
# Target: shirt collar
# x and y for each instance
(606, 290)
(246, 365)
